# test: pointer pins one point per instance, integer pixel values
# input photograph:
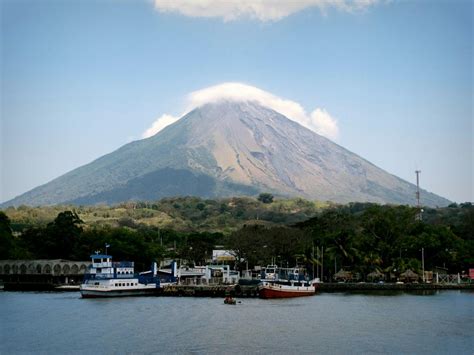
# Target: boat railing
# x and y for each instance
(108, 276)
(98, 276)
(123, 264)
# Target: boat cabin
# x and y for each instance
(103, 267)
(271, 272)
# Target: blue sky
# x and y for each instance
(81, 78)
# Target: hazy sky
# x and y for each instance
(394, 78)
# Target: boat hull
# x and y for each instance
(269, 290)
(118, 293)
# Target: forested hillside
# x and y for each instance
(184, 214)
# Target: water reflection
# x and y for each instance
(361, 322)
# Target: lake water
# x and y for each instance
(329, 323)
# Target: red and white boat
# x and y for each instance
(279, 289)
(272, 286)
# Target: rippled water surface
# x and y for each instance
(329, 323)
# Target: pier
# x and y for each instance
(65, 275)
(209, 291)
(346, 287)
(249, 291)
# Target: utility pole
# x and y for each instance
(322, 264)
(423, 262)
(317, 265)
(418, 204)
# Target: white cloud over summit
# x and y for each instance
(319, 120)
(160, 123)
(262, 10)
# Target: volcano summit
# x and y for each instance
(228, 148)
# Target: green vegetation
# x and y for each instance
(360, 237)
(183, 214)
(6, 237)
(265, 197)
(388, 239)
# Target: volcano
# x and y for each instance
(228, 148)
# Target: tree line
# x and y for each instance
(360, 237)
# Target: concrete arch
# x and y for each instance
(6, 268)
(1, 269)
(47, 269)
(38, 268)
(23, 269)
(57, 269)
(31, 268)
(66, 269)
(82, 268)
(14, 269)
(74, 269)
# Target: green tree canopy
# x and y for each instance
(6, 237)
(265, 197)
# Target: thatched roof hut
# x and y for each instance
(409, 275)
(343, 275)
(376, 275)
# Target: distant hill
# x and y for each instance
(228, 149)
(183, 214)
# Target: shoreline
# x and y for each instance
(331, 287)
(249, 291)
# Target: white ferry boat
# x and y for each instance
(117, 279)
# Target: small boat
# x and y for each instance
(294, 285)
(230, 300)
(117, 279)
